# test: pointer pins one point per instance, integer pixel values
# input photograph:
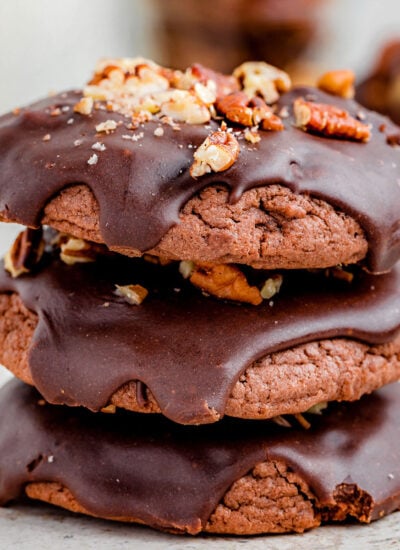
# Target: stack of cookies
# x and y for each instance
(198, 327)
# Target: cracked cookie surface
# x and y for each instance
(269, 227)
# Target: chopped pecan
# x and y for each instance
(304, 423)
(25, 252)
(110, 71)
(260, 79)
(186, 268)
(84, 106)
(264, 115)
(224, 84)
(238, 108)
(281, 421)
(127, 83)
(318, 408)
(235, 108)
(133, 294)
(205, 93)
(217, 153)
(225, 281)
(185, 106)
(77, 251)
(107, 126)
(251, 135)
(339, 273)
(271, 287)
(340, 83)
(137, 76)
(109, 409)
(329, 120)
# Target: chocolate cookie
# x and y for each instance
(195, 358)
(283, 196)
(227, 478)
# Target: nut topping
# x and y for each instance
(109, 409)
(74, 251)
(260, 79)
(225, 281)
(318, 408)
(340, 83)
(133, 294)
(186, 268)
(107, 126)
(217, 153)
(185, 106)
(25, 252)
(329, 120)
(271, 287)
(251, 135)
(222, 84)
(304, 423)
(116, 78)
(84, 106)
(238, 108)
(339, 273)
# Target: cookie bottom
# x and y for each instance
(233, 477)
(269, 499)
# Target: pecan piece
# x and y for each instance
(124, 76)
(84, 106)
(133, 294)
(185, 106)
(340, 83)
(25, 252)
(260, 79)
(225, 281)
(271, 286)
(107, 126)
(264, 115)
(78, 251)
(224, 84)
(329, 120)
(217, 153)
(237, 107)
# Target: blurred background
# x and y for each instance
(49, 45)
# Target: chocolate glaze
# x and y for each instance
(172, 477)
(142, 185)
(187, 348)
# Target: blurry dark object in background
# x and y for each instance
(224, 33)
(381, 90)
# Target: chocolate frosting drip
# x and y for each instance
(142, 185)
(144, 467)
(187, 348)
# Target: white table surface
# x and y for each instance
(38, 526)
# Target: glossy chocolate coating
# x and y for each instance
(188, 349)
(172, 477)
(142, 185)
